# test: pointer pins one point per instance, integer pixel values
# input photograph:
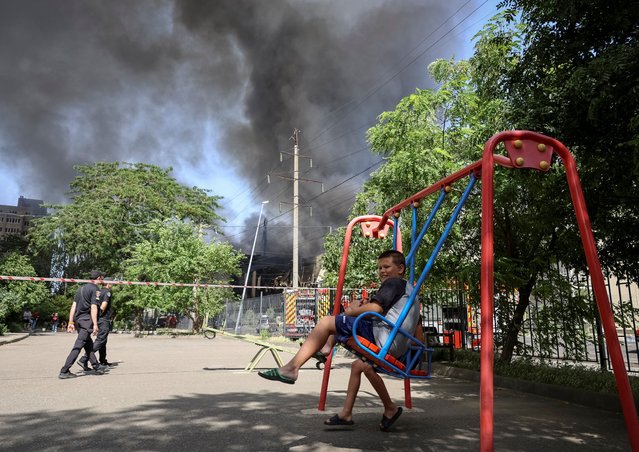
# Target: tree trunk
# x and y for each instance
(514, 326)
(195, 314)
(197, 322)
(137, 324)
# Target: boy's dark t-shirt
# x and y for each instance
(392, 296)
(389, 293)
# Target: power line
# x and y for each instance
(343, 182)
(374, 90)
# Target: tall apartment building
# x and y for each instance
(16, 219)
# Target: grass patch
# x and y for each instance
(573, 376)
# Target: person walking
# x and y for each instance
(54, 322)
(26, 318)
(104, 327)
(83, 318)
(34, 320)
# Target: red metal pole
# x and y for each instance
(338, 297)
(626, 397)
(408, 400)
(486, 389)
(601, 296)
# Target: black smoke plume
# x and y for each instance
(193, 83)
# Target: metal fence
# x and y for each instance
(253, 309)
(561, 323)
(273, 307)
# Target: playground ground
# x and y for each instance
(191, 393)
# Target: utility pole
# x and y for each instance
(296, 201)
(264, 236)
(296, 214)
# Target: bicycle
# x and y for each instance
(208, 333)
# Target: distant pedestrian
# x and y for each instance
(26, 318)
(83, 318)
(54, 322)
(34, 320)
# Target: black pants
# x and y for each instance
(84, 328)
(100, 343)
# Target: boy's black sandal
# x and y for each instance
(336, 420)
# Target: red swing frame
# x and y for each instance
(531, 150)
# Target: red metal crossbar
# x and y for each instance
(528, 150)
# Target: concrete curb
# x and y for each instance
(603, 401)
(12, 337)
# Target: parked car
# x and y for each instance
(265, 324)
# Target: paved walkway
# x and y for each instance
(190, 393)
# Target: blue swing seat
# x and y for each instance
(410, 364)
(415, 363)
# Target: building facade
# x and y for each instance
(16, 219)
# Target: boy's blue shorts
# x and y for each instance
(344, 328)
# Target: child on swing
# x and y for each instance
(389, 301)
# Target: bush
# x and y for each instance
(441, 354)
(573, 376)
(15, 327)
(123, 325)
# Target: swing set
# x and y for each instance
(525, 150)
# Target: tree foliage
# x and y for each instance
(431, 133)
(18, 243)
(176, 252)
(113, 204)
(14, 295)
(577, 81)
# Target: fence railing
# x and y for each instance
(560, 324)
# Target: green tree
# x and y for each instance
(14, 295)
(19, 243)
(175, 252)
(429, 135)
(534, 221)
(577, 81)
(113, 203)
(434, 132)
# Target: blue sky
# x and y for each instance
(214, 90)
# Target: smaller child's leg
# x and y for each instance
(380, 388)
(354, 381)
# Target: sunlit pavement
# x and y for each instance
(190, 393)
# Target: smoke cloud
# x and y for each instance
(196, 85)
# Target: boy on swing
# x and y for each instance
(389, 301)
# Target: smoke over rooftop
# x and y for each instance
(206, 85)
